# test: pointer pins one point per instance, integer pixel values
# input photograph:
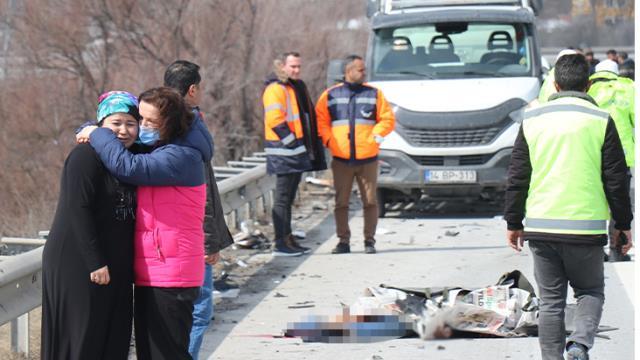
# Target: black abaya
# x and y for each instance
(93, 227)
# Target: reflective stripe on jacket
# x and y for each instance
(565, 138)
(617, 97)
(285, 149)
(349, 116)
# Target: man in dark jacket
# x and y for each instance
(184, 76)
(567, 170)
(627, 66)
(291, 143)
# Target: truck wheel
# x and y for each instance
(382, 210)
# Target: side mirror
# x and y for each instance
(536, 5)
(334, 73)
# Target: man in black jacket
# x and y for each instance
(567, 169)
(184, 76)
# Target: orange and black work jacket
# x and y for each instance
(283, 131)
(349, 118)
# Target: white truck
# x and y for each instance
(458, 74)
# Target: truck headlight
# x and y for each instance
(384, 167)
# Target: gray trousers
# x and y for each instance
(555, 266)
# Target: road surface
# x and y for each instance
(418, 254)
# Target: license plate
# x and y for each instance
(450, 176)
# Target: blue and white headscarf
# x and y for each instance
(117, 102)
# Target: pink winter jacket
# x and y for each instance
(169, 240)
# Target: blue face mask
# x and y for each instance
(149, 136)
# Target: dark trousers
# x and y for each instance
(556, 265)
(163, 318)
(285, 193)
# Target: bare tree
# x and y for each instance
(64, 53)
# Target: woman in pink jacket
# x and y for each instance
(169, 240)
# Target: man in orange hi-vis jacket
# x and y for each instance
(353, 119)
(292, 144)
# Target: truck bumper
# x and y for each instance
(404, 173)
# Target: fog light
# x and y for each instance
(384, 167)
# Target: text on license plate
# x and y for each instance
(450, 176)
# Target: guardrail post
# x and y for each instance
(252, 210)
(20, 334)
(268, 202)
(260, 206)
(237, 218)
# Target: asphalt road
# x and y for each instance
(417, 253)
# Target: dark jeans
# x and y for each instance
(285, 193)
(556, 265)
(163, 318)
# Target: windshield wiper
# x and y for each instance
(408, 72)
(484, 73)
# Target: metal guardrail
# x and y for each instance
(245, 191)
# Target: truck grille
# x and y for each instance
(464, 160)
(451, 138)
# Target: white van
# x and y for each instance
(458, 74)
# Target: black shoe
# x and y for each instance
(369, 247)
(292, 243)
(341, 248)
(284, 250)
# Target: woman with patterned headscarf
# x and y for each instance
(87, 262)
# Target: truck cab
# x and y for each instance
(458, 74)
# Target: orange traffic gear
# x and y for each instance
(350, 118)
(286, 152)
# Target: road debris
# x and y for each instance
(319, 206)
(319, 182)
(224, 288)
(254, 239)
(507, 309)
(302, 305)
(383, 231)
(451, 233)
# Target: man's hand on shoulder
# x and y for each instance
(83, 136)
(212, 259)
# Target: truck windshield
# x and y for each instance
(451, 50)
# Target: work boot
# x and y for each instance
(369, 247)
(341, 248)
(577, 351)
(291, 242)
(281, 249)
